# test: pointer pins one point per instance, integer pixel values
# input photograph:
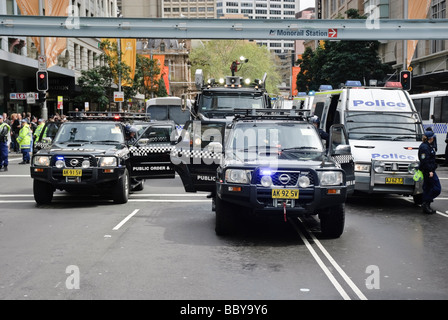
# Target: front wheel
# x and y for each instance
(224, 212)
(332, 221)
(121, 189)
(43, 192)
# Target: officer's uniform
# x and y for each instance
(5, 130)
(431, 185)
(323, 135)
(25, 140)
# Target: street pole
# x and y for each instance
(44, 110)
(405, 42)
(120, 107)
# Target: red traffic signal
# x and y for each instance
(405, 80)
(42, 80)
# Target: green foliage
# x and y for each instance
(99, 83)
(338, 61)
(216, 56)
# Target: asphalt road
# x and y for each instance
(161, 245)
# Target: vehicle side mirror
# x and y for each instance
(342, 150)
(143, 142)
(47, 140)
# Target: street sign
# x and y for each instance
(42, 62)
(21, 96)
(118, 96)
(60, 102)
(30, 98)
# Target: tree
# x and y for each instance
(215, 58)
(338, 61)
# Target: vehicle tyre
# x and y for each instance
(43, 192)
(332, 221)
(140, 186)
(121, 189)
(224, 212)
(418, 198)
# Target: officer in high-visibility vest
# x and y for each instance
(5, 131)
(38, 131)
(25, 139)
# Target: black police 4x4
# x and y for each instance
(279, 166)
(93, 156)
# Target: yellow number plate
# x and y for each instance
(72, 172)
(285, 194)
(390, 180)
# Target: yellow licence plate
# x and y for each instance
(390, 180)
(285, 194)
(72, 172)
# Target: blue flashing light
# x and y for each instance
(312, 93)
(325, 87)
(265, 172)
(59, 157)
(353, 83)
(301, 94)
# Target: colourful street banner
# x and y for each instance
(417, 9)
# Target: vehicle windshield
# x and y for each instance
(230, 101)
(383, 126)
(89, 132)
(255, 140)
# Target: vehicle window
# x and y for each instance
(382, 125)
(89, 132)
(319, 108)
(230, 101)
(250, 141)
(423, 106)
(157, 135)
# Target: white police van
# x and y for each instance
(384, 131)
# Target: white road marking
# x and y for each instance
(322, 265)
(118, 226)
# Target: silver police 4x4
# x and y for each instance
(278, 165)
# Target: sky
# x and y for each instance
(306, 4)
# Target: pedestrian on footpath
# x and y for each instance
(25, 139)
(428, 165)
(5, 133)
(15, 128)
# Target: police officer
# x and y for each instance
(132, 135)
(323, 135)
(428, 165)
(25, 140)
(5, 131)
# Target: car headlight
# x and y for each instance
(330, 178)
(107, 162)
(304, 182)
(238, 176)
(378, 166)
(41, 161)
(412, 167)
(362, 167)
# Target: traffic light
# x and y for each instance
(405, 80)
(42, 80)
(42, 96)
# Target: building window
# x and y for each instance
(438, 11)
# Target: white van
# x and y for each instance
(384, 131)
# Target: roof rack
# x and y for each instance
(106, 116)
(269, 114)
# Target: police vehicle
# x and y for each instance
(384, 130)
(276, 165)
(90, 154)
(433, 108)
(214, 106)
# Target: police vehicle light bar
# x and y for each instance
(353, 83)
(325, 87)
(393, 84)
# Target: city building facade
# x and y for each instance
(429, 60)
(19, 64)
